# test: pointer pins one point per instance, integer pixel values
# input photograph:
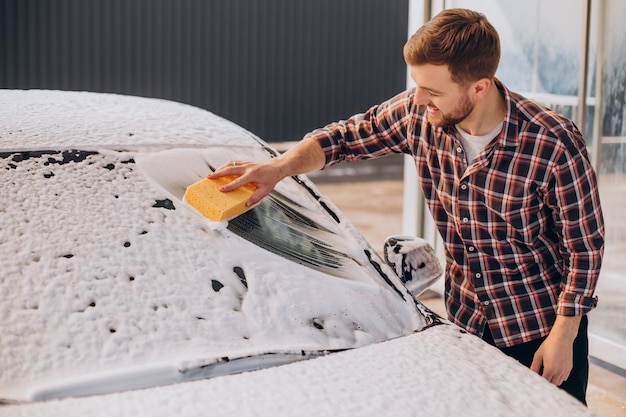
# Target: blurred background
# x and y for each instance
(276, 67)
(281, 68)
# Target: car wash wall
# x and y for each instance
(277, 67)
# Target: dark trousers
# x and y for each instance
(576, 384)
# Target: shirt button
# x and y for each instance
(486, 303)
(459, 149)
(478, 275)
(471, 249)
(465, 220)
(464, 187)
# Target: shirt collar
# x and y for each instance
(509, 137)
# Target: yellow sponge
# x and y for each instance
(216, 205)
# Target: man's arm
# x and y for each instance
(379, 131)
(577, 213)
(306, 156)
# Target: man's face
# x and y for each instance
(448, 103)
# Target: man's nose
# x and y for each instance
(421, 97)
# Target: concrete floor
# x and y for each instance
(375, 208)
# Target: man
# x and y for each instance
(509, 185)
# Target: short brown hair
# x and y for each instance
(462, 39)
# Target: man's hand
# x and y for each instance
(306, 156)
(556, 353)
(264, 176)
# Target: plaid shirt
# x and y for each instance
(522, 224)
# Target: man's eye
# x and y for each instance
(432, 94)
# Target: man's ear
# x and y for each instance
(479, 88)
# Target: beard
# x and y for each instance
(464, 109)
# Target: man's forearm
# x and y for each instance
(306, 156)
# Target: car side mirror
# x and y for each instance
(414, 260)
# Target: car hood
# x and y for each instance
(438, 372)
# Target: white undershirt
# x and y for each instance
(472, 145)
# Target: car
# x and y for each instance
(119, 298)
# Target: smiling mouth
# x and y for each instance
(432, 109)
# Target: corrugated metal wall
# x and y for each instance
(277, 67)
